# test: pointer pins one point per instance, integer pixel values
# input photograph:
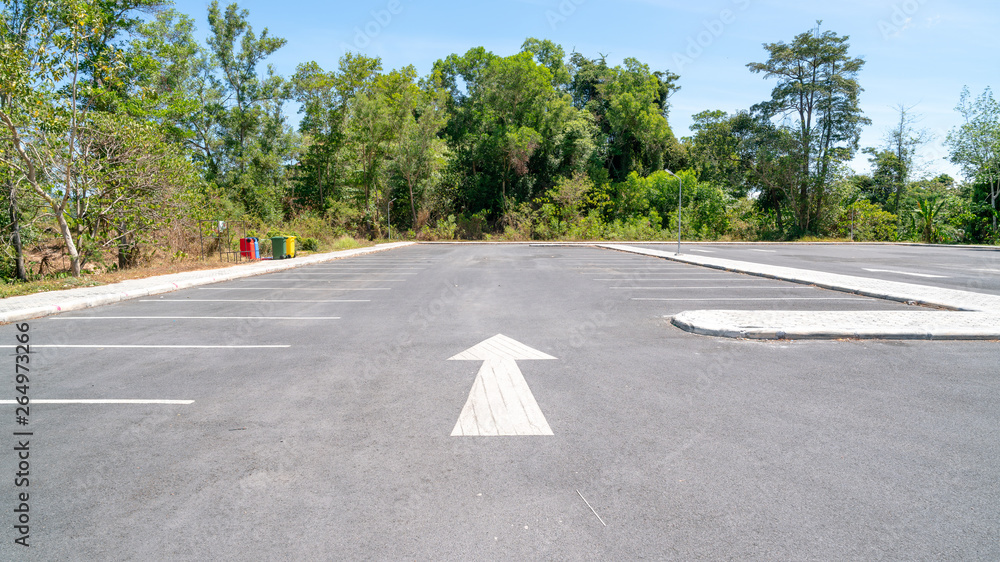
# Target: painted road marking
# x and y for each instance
(720, 287)
(704, 251)
(647, 268)
(500, 402)
(766, 251)
(671, 273)
(761, 299)
(102, 401)
(293, 289)
(100, 346)
(306, 276)
(364, 268)
(196, 317)
(906, 273)
(720, 277)
(275, 279)
(246, 300)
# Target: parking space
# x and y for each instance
(670, 287)
(375, 429)
(968, 268)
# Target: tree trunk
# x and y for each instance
(74, 255)
(413, 205)
(15, 227)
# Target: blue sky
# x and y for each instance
(919, 53)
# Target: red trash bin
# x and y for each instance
(246, 248)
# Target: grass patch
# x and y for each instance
(345, 243)
(15, 289)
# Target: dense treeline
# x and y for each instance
(117, 124)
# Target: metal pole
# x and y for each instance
(680, 189)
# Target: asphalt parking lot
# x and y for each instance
(966, 268)
(318, 416)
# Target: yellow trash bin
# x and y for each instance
(290, 246)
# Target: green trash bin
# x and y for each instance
(290, 246)
(279, 250)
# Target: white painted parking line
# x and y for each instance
(766, 251)
(760, 299)
(720, 287)
(906, 273)
(368, 268)
(103, 346)
(332, 274)
(500, 402)
(647, 268)
(704, 251)
(249, 300)
(293, 289)
(720, 277)
(635, 274)
(270, 279)
(196, 317)
(102, 401)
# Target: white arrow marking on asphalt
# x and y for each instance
(500, 402)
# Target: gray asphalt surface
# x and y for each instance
(975, 269)
(339, 446)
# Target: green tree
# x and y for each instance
(629, 105)
(975, 144)
(40, 65)
(713, 151)
(135, 181)
(894, 163)
(818, 88)
(551, 56)
(170, 85)
(322, 124)
(249, 115)
(926, 218)
(419, 153)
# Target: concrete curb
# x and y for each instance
(883, 325)
(969, 316)
(53, 302)
(596, 243)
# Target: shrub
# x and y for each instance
(871, 223)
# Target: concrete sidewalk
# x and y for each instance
(776, 324)
(969, 316)
(13, 309)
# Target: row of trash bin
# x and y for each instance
(282, 247)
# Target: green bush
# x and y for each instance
(871, 223)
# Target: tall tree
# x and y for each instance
(40, 63)
(894, 164)
(248, 108)
(818, 90)
(419, 153)
(975, 144)
(16, 24)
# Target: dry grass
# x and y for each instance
(58, 279)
